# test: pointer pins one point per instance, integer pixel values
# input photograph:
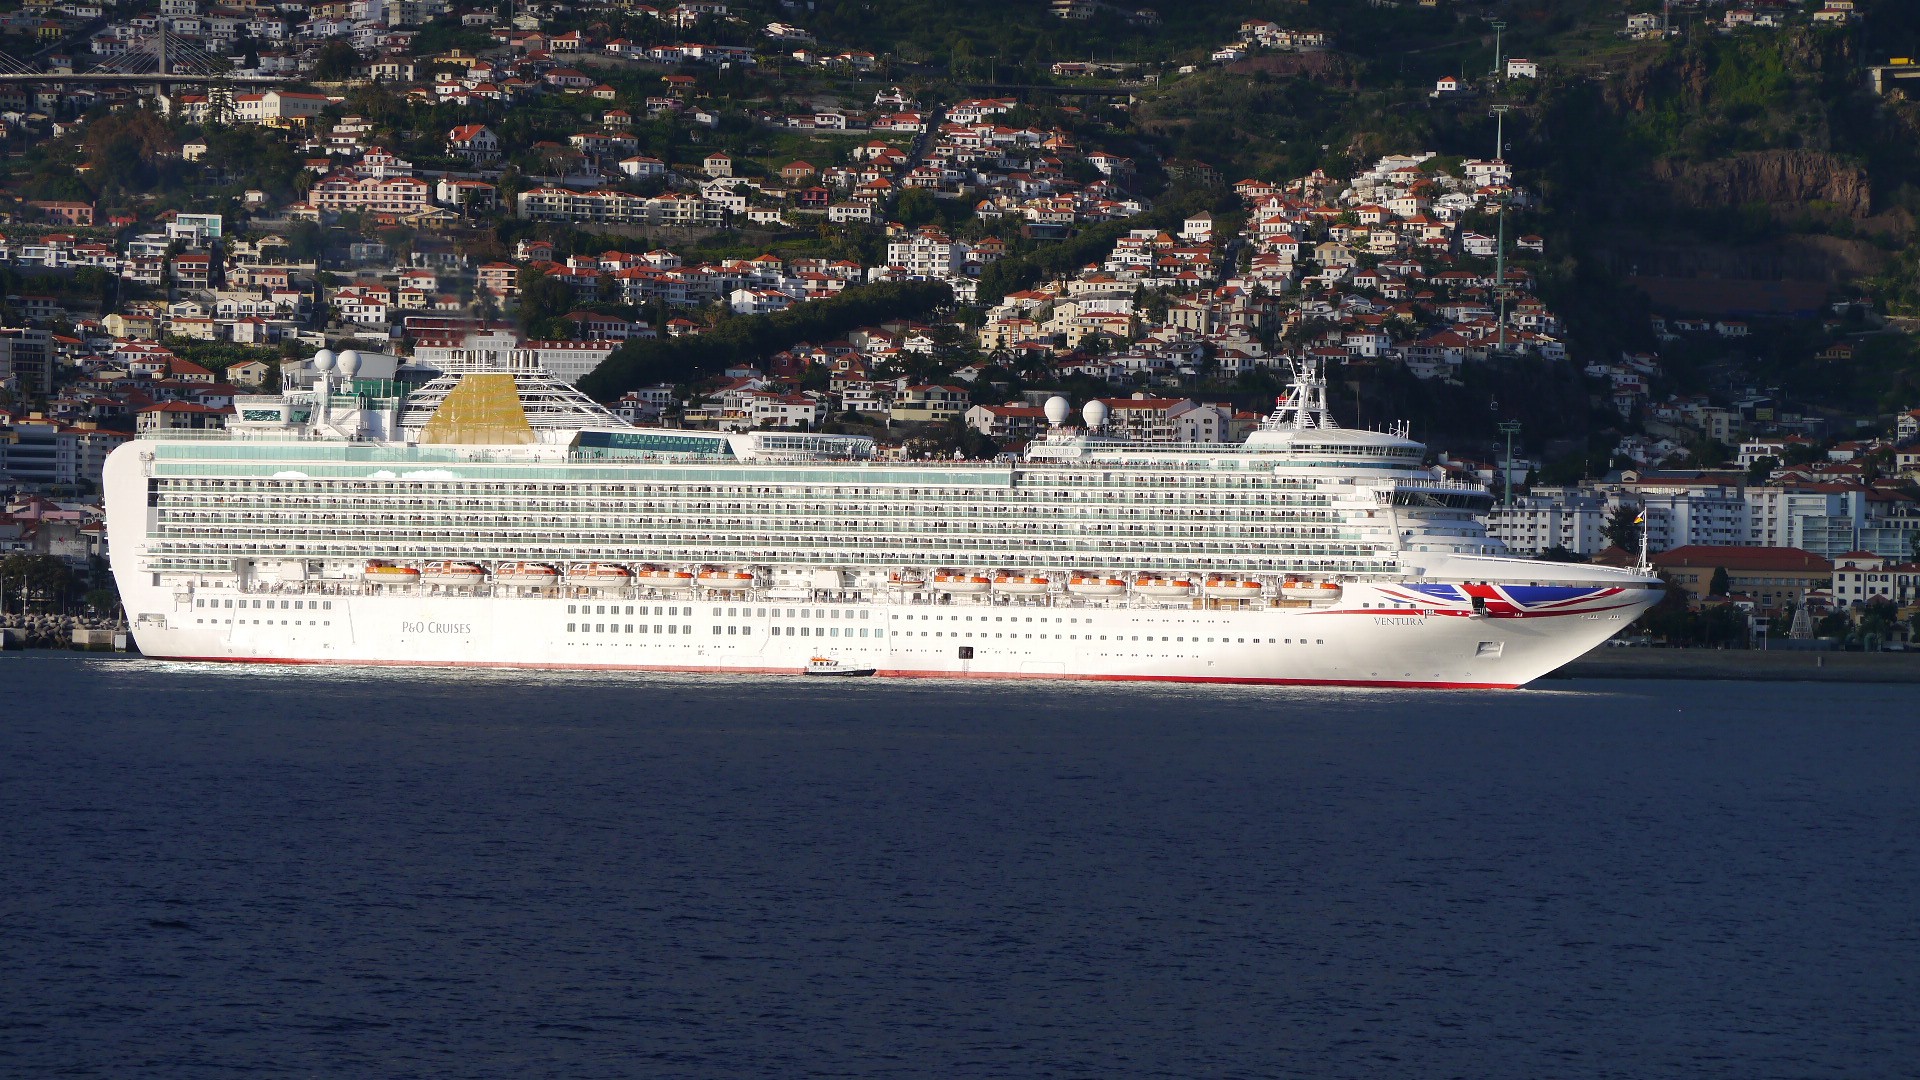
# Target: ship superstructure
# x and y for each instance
(373, 514)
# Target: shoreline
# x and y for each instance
(1750, 665)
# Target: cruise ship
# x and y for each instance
(485, 513)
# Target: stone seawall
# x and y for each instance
(1750, 665)
(52, 631)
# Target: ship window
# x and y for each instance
(570, 610)
(569, 628)
(199, 603)
(716, 630)
(629, 609)
(863, 631)
(1320, 641)
(863, 614)
(673, 629)
(327, 604)
(879, 632)
(686, 629)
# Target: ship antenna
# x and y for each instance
(1305, 403)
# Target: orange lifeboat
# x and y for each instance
(1242, 588)
(906, 580)
(671, 580)
(1324, 591)
(453, 574)
(526, 575)
(950, 582)
(385, 573)
(726, 580)
(1020, 584)
(1163, 587)
(1096, 585)
(596, 575)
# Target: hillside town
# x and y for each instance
(558, 182)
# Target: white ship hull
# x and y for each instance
(303, 539)
(1381, 644)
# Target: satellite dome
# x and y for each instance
(1095, 414)
(1058, 409)
(323, 360)
(349, 364)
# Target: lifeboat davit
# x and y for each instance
(1163, 587)
(453, 574)
(906, 580)
(1020, 584)
(1309, 590)
(600, 576)
(1096, 585)
(1232, 587)
(658, 578)
(530, 575)
(384, 573)
(961, 583)
(726, 580)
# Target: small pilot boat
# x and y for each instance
(826, 666)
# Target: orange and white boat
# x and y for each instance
(1162, 586)
(1242, 588)
(456, 575)
(1096, 585)
(1020, 584)
(661, 578)
(386, 573)
(526, 575)
(597, 575)
(1295, 589)
(948, 581)
(906, 580)
(726, 580)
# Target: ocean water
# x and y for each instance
(219, 871)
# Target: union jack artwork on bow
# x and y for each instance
(1508, 601)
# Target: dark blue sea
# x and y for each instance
(221, 871)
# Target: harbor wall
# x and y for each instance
(1748, 664)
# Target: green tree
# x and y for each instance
(917, 207)
(1720, 585)
(337, 61)
(1623, 530)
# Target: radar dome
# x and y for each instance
(349, 364)
(1058, 409)
(323, 360)
(1095, 414)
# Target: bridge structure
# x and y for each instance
(159, 61)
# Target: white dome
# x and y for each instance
(1095, 414)
(1058, 409)
(349, 364)
(323, 360)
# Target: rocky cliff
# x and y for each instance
(1783, 179)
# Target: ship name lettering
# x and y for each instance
(1396, 620)
(436, 628)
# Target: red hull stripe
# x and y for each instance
(887, 673)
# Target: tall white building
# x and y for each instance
(1549, 518)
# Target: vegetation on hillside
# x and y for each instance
(749, 339)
